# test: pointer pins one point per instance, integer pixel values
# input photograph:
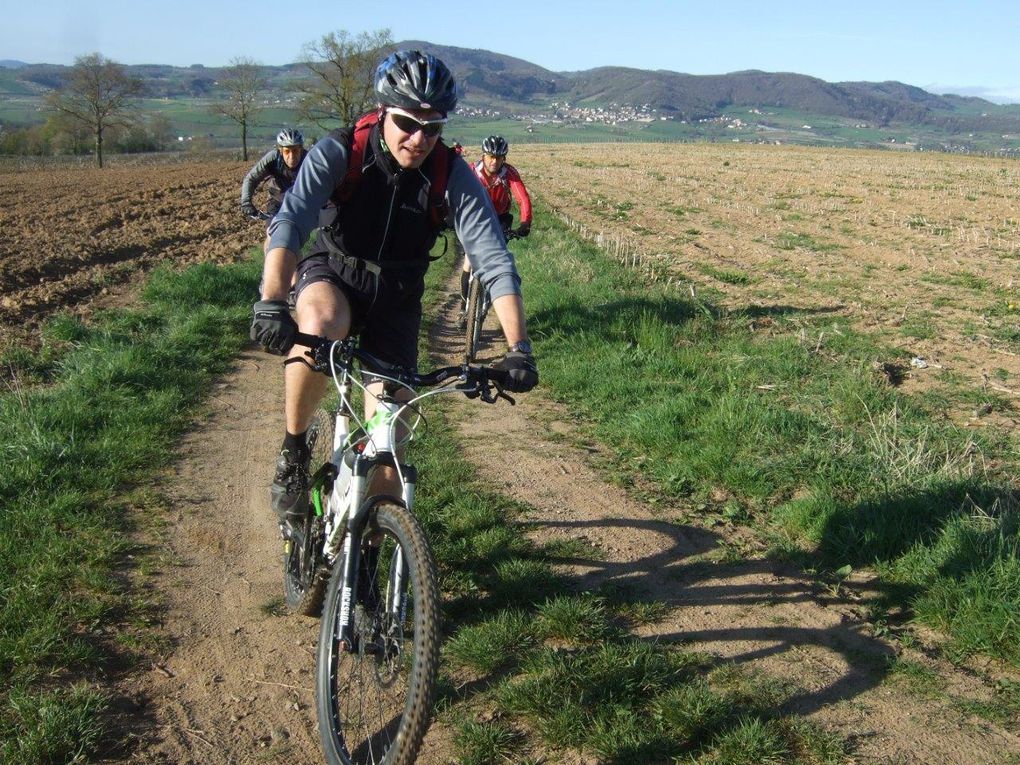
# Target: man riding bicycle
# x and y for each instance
(365, 272)
(502, 181)
(279, 166)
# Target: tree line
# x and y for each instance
(96, 108)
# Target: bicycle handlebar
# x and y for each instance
(476, 380)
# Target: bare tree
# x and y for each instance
(342, 67)
(244, 80)
(98, 95)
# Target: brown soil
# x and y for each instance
(74, 238)
(234, 683)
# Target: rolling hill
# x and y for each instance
(508, 85)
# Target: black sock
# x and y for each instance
(296, 443)
(465, 279)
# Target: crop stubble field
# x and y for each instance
(920, 249)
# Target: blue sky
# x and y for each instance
(940, 46)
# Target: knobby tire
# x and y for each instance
(475, 319)
(304, 574)
(374, 702)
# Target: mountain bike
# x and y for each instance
(365, 561)
(477, 308)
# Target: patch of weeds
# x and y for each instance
(579, 619)
(525, 581)
(274, 607)
(728, 276)
(680, 212)
(642, 612)
(63, 725)
(495, 643)
(922, 681)
(728, 553)
(793, 241)
(486, 743)
(919, 329)
(572, 549)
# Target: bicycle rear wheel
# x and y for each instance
(374, 702)
(304, 574)
(475, 319)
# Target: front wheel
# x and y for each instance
(475, 319)
(374, 701)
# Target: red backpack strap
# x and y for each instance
(438, 209)
(356, 155)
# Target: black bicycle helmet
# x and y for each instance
(411, 79)
(496, 145)
(290, 137)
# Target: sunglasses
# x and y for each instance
(410, 124)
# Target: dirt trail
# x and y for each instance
(236, 684)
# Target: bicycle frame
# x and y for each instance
(381, 607)
(339, 491)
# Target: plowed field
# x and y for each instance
(74, 237)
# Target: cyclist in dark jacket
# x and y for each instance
(279, 167)
(369, 276)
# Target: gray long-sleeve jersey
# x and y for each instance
(474, 217)
(271, 165)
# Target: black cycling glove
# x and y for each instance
(521, 370)
(523, 230)
(249, 209)
(273, 327)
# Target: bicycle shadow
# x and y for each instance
(753, 612)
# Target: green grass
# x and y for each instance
(118, 391)
(794, 428)
(726, 275)
(792, 241)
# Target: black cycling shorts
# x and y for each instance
(388, 320)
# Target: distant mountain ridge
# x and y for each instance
(512, 84)
(497, 77)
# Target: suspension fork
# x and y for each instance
(396, 595)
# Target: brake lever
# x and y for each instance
(299, 360)
(469, 391)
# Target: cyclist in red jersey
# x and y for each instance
(502, 181)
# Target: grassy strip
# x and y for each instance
(119, 391)
(540, 667)
(530, 666)
(802, 434)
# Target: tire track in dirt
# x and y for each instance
(236, 685)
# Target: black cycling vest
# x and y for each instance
(386, 219)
